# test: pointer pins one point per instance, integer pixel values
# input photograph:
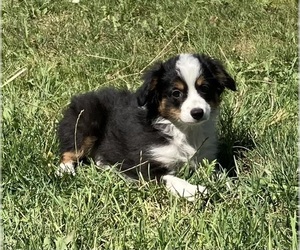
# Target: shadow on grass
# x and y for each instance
(235, 141)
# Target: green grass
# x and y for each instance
(61, 48)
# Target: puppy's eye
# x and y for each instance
(177, 93)
(203, 88)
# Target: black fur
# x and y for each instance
(214, 69)
(121, 127)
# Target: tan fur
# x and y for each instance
(200, 81)
(179, 85)
(73, 156)
(169, 113)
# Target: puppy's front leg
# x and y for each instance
(182, 188)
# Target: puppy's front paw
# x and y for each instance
(182, 188)
(194, 191)
(65, 168)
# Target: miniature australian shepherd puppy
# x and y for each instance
(168, 121)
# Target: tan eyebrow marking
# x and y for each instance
(200, 81)
(179, 85)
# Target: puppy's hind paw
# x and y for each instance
(65, 168)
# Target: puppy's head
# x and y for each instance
(185, 89)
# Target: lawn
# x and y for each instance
(52, 50)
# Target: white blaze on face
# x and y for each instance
(189, 69)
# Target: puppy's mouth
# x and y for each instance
(192, 123)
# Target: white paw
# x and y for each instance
(182, 188)
(189, 191)
(65, 168)
(195, 190)
(102, 166)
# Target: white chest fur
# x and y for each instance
(188, 144)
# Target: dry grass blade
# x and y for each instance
(16, 75)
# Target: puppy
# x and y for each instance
(168, 121)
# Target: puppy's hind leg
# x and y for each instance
(78, 131)
(70, 158)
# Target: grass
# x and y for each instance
(54, 49)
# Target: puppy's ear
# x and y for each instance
(218, 71)
(147, 93)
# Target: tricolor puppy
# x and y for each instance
(169, 121)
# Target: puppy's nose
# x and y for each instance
(197, 113)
